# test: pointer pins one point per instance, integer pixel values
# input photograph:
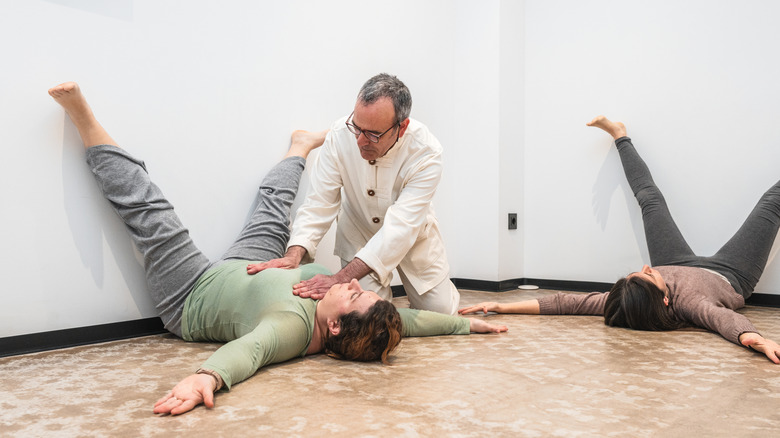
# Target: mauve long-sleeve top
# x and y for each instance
(698, 297)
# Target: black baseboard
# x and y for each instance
(764, 300)
(74, 337)
(507, 285)
(53, 340)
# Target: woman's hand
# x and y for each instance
(488, 306)
(480, 326)
(759, 343)
(190, 392)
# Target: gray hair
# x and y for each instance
(385, 85)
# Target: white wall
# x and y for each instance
(208, 95)
(696, 84)
(511, 155)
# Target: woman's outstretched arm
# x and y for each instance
(528, 307)
(425, 323)
(759, 343)
(733, 326)
(190, 392)
(557, 304)
(279, 337)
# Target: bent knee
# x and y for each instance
(441, 299)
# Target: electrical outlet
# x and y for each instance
(512, 221)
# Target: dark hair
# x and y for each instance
(367, 337)
(385, 85)
(639, 304)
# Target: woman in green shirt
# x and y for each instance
(257, 316)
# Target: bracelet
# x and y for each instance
(213, 374)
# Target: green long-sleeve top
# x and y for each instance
(262, 322)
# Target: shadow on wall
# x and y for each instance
(90, 218)
(607, 182)
(119, 9)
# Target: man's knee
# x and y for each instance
(444, 298)
(447, 308)
(369, 283)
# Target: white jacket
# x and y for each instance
(385, 216)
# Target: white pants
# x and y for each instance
(442, 298)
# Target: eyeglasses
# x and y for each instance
(371, 136)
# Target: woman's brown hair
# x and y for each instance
(639, 304)
(367, 337)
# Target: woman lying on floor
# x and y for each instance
(257, 315)
(682, 288)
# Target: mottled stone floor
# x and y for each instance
(548, 376)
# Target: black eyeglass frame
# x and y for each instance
(373, 138)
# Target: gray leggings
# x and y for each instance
(741, 260)
(171, 260)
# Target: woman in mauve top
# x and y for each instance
(681, 289)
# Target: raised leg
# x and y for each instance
(72, 100)
(267, 232)
(615, 129)
(303, 142)
(747, 253)
(665, 242)
(172, 262)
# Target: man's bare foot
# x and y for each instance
(303, 142)
(75, 104)
(615, 129)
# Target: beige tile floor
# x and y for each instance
(548, 376)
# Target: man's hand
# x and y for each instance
(759, 343)
(190, 392)
(315, 287)
(480, 326)
(282, 263)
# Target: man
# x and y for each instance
(378, 171)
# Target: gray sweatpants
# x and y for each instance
(741, 260)
(172, 262)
